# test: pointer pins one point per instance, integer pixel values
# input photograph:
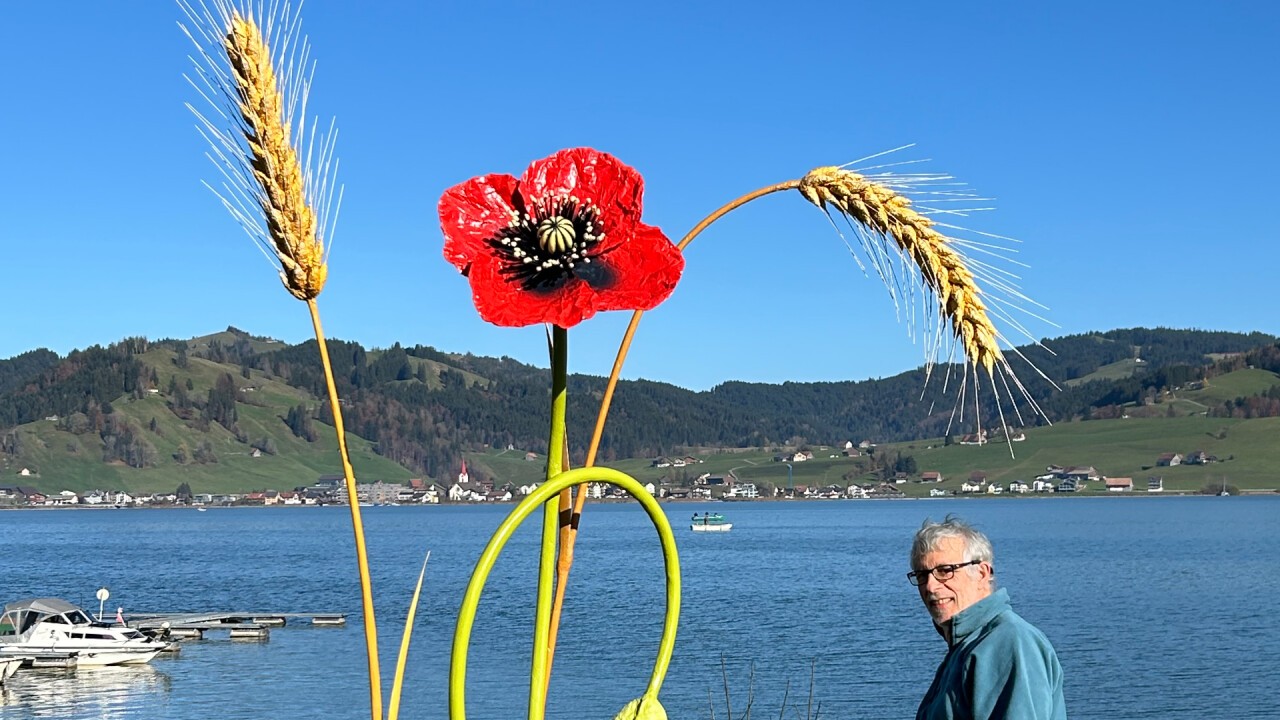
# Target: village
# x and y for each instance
(331, 489)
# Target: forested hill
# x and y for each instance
(422, 408)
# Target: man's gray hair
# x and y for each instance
(931, 534)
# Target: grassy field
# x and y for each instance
(1250, 460)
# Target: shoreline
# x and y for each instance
(668, 501)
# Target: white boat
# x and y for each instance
(49, 625)
(9, 666)
(710, 522)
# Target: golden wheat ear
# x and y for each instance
(277, 176)
(909, 251)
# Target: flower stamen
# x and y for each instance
(541, 246)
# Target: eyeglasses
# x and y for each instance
(941, 573)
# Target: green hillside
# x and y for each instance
(1249, 457)
(63, 460)
(233, 412)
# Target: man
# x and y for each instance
(997, 664)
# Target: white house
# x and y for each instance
(1017, 486)
(970, 487)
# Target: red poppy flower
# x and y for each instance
(559, 244)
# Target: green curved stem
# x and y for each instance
(541, 496)
(538, 676)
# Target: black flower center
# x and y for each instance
(543, 246)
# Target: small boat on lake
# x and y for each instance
(38, 626)
(710, 522)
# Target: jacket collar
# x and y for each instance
(974, 617)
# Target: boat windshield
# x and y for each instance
(77, 617)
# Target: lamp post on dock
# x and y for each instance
(103, 595)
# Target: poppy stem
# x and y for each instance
(540, 672)
(353, 501)
(569, 520)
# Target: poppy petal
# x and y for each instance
(507, 304)
(646, 268)
(613, 186)
(471, 213)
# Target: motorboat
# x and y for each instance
(710, 522)
(9, 666)
(38, 626)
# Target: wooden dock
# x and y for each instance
(238, 625)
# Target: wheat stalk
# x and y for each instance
(942, 269)
(280, 200)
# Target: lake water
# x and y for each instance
(1158, 607)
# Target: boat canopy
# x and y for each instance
(51, 606)
(21, 616)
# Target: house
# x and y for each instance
(470, 492)
(742, 490)
(660, 462)
(1169, 460)
(1155, 484)
(937, 492)
(866, 445)
(1068, 485)
(530, 456)
(1082, 474)
(1198, 457)
(886, 490)
(1042, 485)
(970, 487)
(994, 489)
(855, 491)
(932, 476)
(1119, 484)
(975, 439)
(1017, 486)
(978, 477)
(830, 492)
(66, 497)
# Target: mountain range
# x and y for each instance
(233, 411)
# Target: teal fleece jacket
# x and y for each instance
(998, 666)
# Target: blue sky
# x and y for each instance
(1130, 146)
